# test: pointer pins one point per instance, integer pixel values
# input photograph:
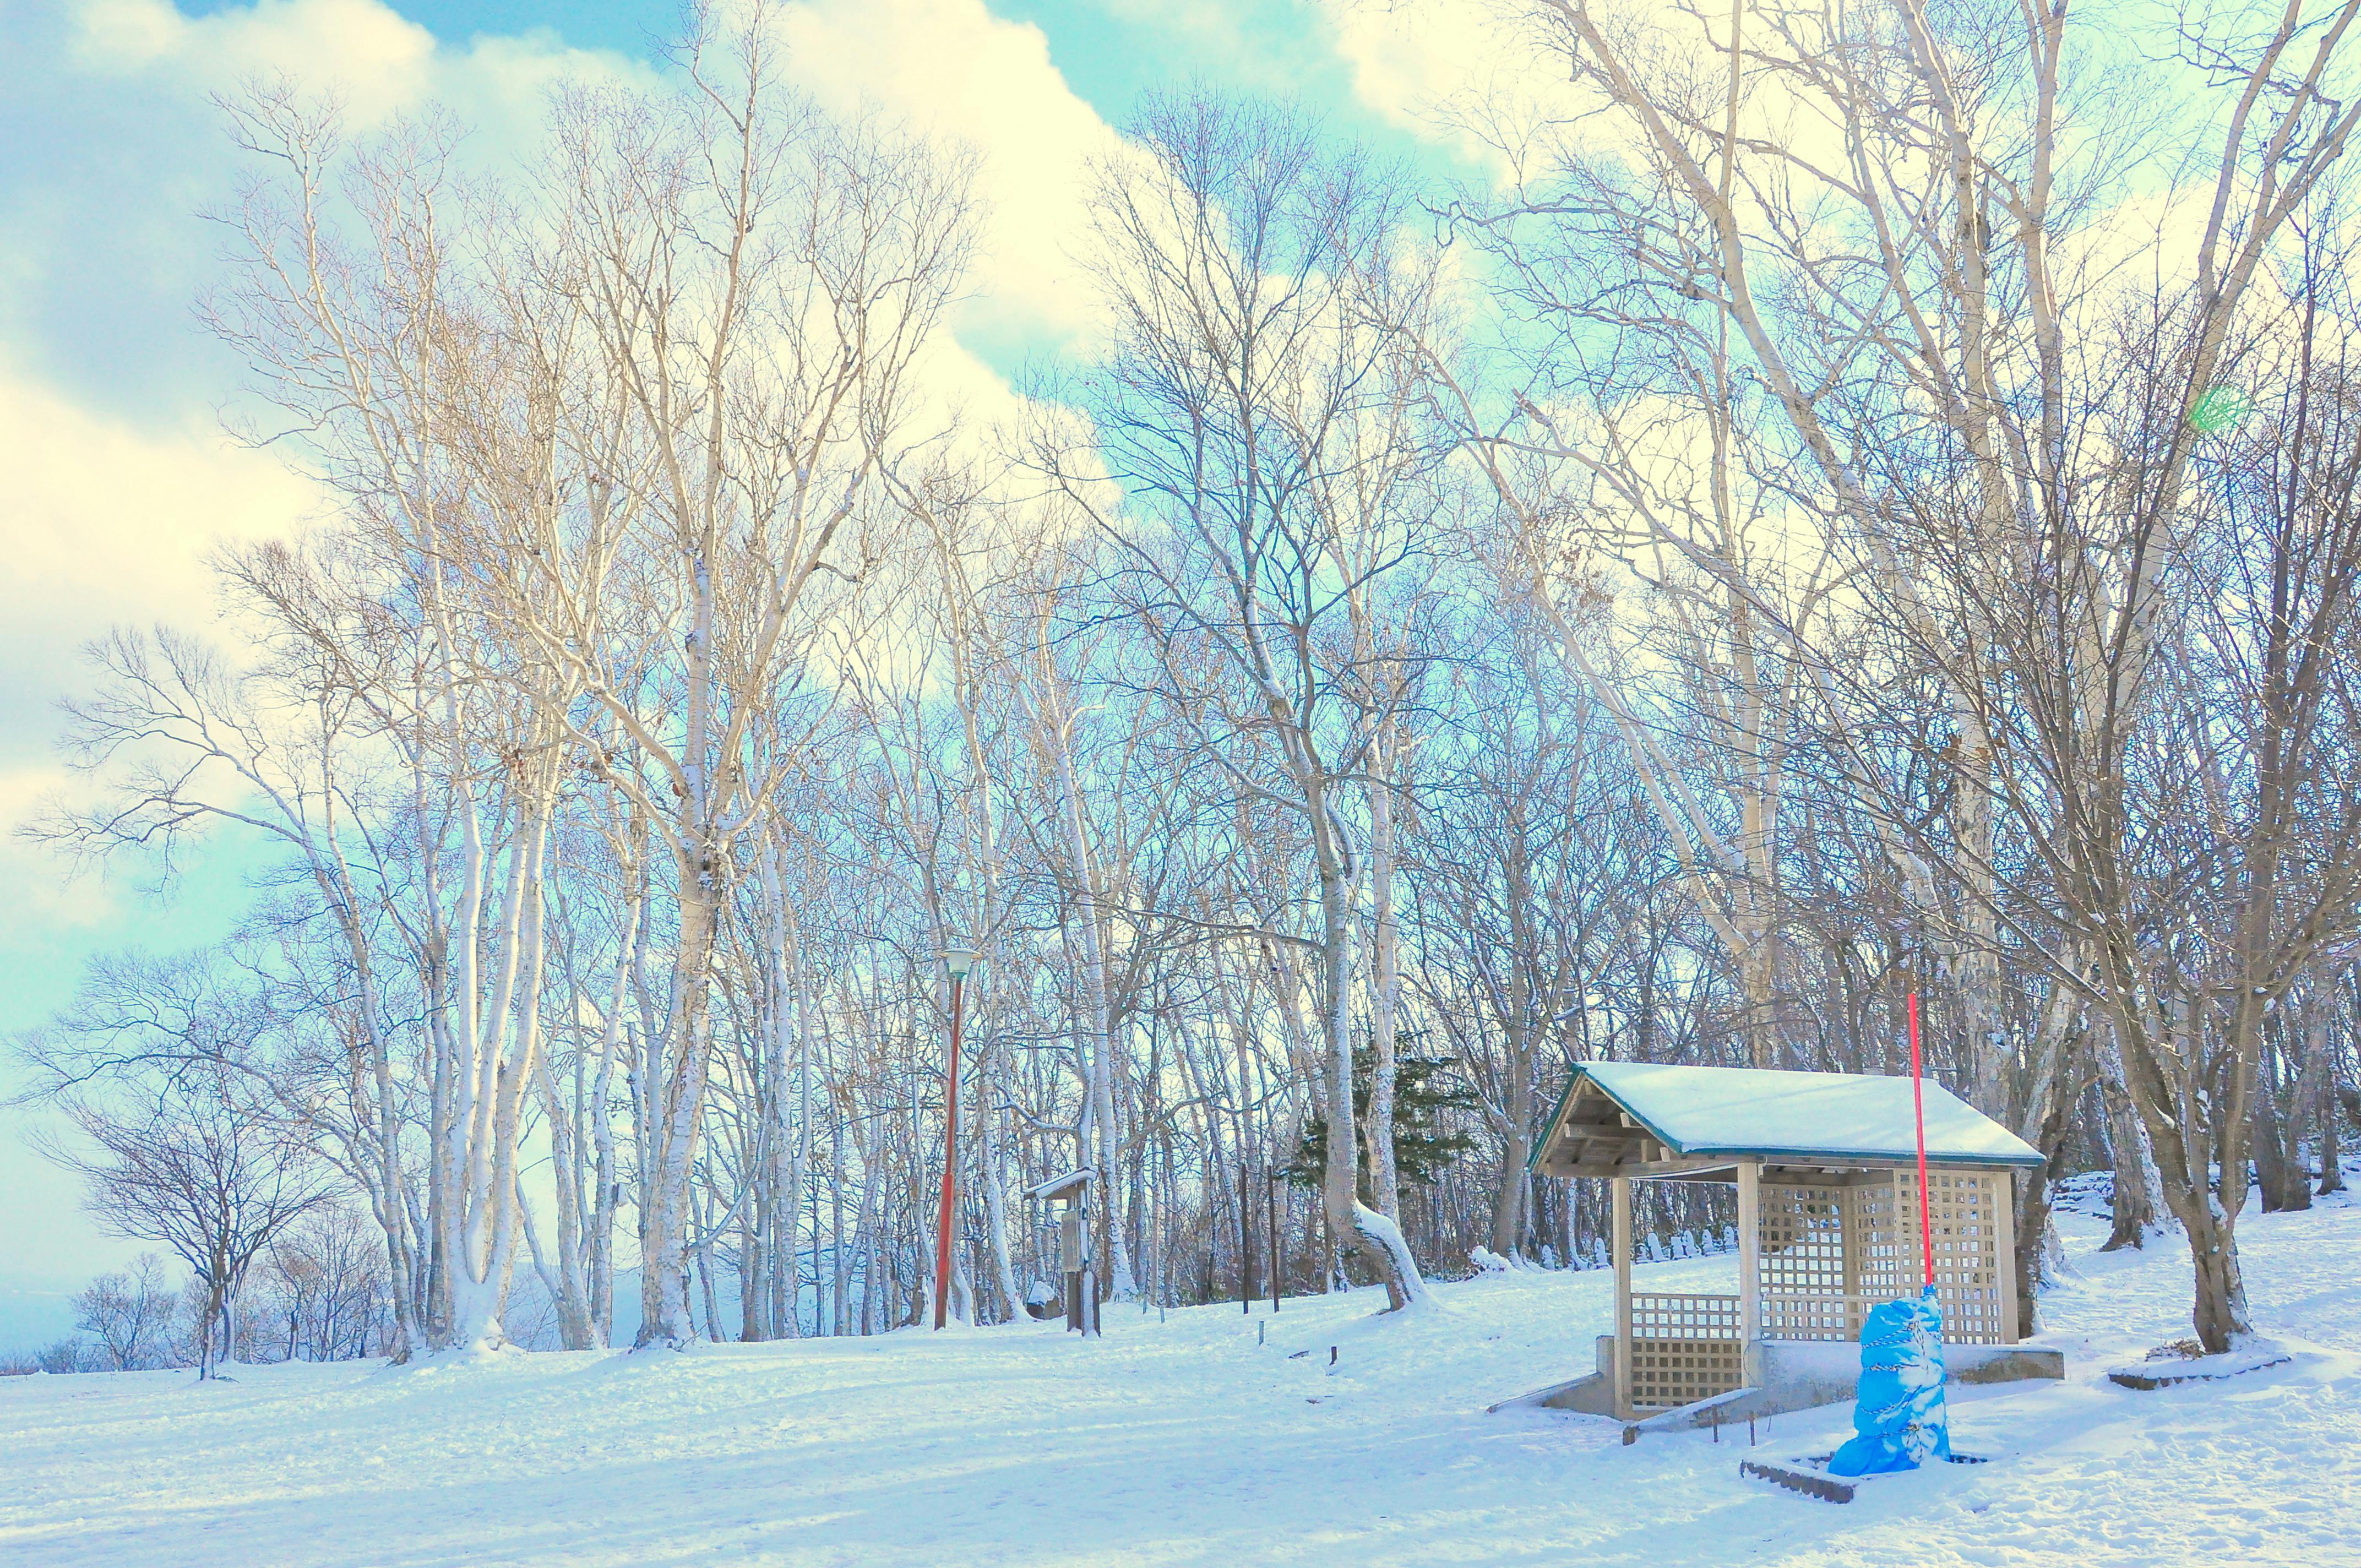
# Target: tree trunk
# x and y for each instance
(2138, 1201)
(1508, 1193)
(1098, 1025)
(2032, 1218)
(1385, 1177)
(2184, 1126)
(2219, 1312)
(573, 1320)
(665, 1315)
(2307, 1092)
(1375, 1237)
(995, 1214)
(2278, 1177)
(213, 1332)
(2330, 1111)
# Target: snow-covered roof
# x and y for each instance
(1804, 1117)
(1058, 1186)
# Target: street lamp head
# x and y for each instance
(958, 962)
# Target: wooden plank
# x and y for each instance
(1681, 1415)
(2165, 1377)
(1697, 1169)
(1800, 1478)
(1592, 1108)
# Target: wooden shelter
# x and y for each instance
(1826, 1168)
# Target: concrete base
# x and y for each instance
(1593, 1394)
(1792, 1374)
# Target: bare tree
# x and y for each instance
(751, 284)
(187, 1160)
(131, 1315)
(1253, 418)
(323, 1285)
(1520, 850)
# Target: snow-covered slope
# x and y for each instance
(1185, 1442)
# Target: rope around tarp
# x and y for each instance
(1898, 1416)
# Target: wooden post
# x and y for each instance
(1270, 1180)
(1069, 1260)
(1856, 1247)
(2004, 1249)
(1622, 1297)
(1246, 1226)
(1750, 1268)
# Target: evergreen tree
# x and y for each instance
(1425, 1146)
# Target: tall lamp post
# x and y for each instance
(958, 962)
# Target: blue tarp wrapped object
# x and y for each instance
(1898, 1417)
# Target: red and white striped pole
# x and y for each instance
(1919, 1108)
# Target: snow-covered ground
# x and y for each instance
(1186, 1442)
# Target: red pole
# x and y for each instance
(950, 1167)
(1918, 1107)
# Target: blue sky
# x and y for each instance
(119, 477)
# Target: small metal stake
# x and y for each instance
(1260, 1329)
(1750, 1431)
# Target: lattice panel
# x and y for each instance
(1834, 1316)
(1968, 1210)
(1684, 1349)
(1803, 1249)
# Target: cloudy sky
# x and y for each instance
(115, 475)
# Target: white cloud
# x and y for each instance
(946, 68)
(97, 506)
(951, 68)
(107, 522)
(1489, 79)
(1405, 59)
(378, 62)
(108, 518)
(1426, 65)
(381, 61)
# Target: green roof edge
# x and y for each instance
(1582, 1071)
(1534, 1154)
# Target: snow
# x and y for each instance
(2158, 1366)
(1754, 1110)
(1058, 1186)
(1184, 1442)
